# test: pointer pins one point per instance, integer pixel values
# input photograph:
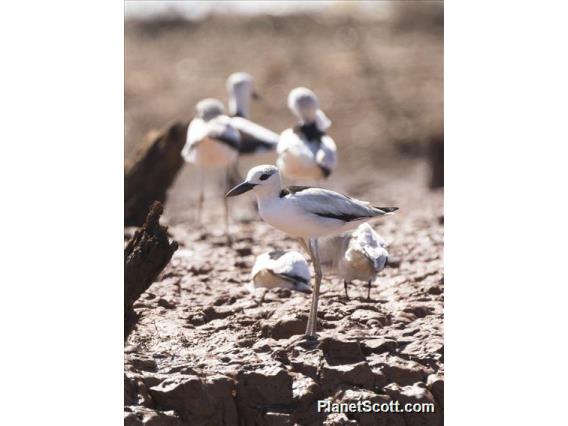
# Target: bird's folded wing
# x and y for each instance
(293, 278)
(222, 131)
(218, 129)
(326, 156)
(333, 205)
(291, 265)
(254, 138)
(367, 236)
(300, 282)
(328, 144)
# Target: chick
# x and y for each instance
(284, 269)
(356, 255)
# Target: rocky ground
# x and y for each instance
(206, 352)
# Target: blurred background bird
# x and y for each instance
(355, 255)
(212, 142)
(240, 87)
(306, 152)
(254, 138)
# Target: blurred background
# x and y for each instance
(377, 68)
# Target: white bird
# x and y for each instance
(240, 86)
(305, 151)
(254, 138)
(355, 255)
(306, 214)
(284, 269)
(212, 142)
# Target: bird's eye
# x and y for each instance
(264, 176)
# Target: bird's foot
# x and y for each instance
(306, 342)
(311, 337)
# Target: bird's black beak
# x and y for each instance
(256, 96)
(241, 188)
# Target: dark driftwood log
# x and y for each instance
(145, 256)
(436, 154)
(151, 171)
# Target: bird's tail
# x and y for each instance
(302, 287)
(387, 210)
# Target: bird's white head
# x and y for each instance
(209, 108)
(240, 86)
(304, 104)
(263, 180)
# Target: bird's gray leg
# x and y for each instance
(345, 287)
(201, 196)
(369, 289)
(226, 205)
(309, 250)
(312, 319)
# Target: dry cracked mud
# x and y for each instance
(206, 352)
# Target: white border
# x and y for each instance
(62, 196)
(505, 209)
(61, 96)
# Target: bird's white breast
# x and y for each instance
(283, 215)
(203, 149)
(356, 266)
(212, 153)
(297, 157)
